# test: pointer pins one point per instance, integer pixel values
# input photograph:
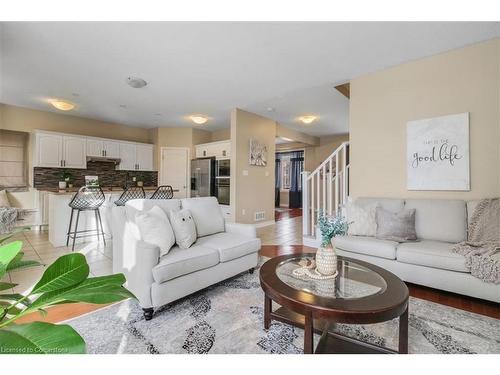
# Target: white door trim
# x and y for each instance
(188, 174)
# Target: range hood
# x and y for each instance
(104, 159)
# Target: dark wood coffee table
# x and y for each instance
(361, 293)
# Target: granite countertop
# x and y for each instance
(105, 189)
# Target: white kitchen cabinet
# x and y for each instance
(95, 147)
(54, 150)
(111, 148)
(219, 150)
(48, 150)
(74, 152)
(144, 157)
(127, 156)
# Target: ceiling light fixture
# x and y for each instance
(62, 105)
(200, 120)
(307, 119)
(287, 139)
(136, 82)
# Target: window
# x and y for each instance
(13, 160)
(285, 174)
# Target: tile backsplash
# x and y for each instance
(48, 178)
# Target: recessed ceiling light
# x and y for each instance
(136, 82)
(200, 120)
(157, 114)
(123, 106)
(75, 94)
(270, 109)
(307, 119)
(287, 139)
(62, 105)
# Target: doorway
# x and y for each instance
(174, 170)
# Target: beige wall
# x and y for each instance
(297, 136)
(255, 191)
(314, 156)
(221, 135)
(462, 80)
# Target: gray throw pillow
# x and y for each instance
(396, 226)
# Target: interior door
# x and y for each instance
(127, 156)
(49, 150)
(174, 170)
(75, 154)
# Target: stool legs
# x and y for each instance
(69, 229)
(100, 224)
(76, 229)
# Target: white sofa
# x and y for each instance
(216, 256)
(429, 261)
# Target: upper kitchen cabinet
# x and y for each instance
(219, 150)
(136, 156)
(97, 147)
(54, 150)
(144, 157)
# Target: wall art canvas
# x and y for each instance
(437, 152)
(258, 153)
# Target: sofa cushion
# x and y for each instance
(230, 245)
(134, 206)
(361, 219)
(206, 214)
(390, 204)
(184, 228)
(179, 262)
(155, 229)
(367, 245)
(435, 254)
(396, 226)
(439, 219)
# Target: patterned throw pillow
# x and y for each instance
(4, 200)
(396, 226)
(184, 228)
(361, 220)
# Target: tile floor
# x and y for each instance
(36, 245)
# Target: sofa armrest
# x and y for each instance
(138, 261)
(247, 230)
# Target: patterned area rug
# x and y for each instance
(228, 318)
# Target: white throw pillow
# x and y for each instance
(184, 228)
(362, 220)
(154, 228)
(4, 200)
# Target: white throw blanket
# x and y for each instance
(482, 248)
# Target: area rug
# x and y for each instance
(228, 318)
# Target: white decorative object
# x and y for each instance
(438, 153)
(62, 185)
(258, 153)
(326, 260)
(184, 228)
(309, 271)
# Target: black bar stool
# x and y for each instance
(88, 198)
(131, 192)
(163, 192)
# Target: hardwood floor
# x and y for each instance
(289, 214)
(474, 305)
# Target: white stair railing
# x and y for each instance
(325, 189)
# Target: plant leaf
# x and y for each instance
(99, 290)
(22, 264)
(15, 297)
(7, 253)
(5, 286)
(66, 271)
(40, 338)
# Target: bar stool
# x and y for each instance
(163, 192)
(131, 192)
(88, 198)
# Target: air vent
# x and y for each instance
(260, 216)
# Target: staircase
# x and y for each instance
(325, 189)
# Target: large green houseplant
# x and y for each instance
(64, 281)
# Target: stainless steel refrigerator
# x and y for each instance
(203, 177)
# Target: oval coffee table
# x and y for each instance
(361, 293)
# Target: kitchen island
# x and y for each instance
(59, 214)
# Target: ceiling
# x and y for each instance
(280, 70)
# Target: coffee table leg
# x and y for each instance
(267, 311)
(308, 333)
(403, 332)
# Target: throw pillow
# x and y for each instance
(362, 220)
(184, 228)
(396, 226)
(4, 200)
(154, 228)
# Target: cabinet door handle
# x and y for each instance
(61, 163)
(64, 161)
(105, 153)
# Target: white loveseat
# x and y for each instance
(429, 261)
(219, 254)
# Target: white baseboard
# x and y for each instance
(261, 224)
